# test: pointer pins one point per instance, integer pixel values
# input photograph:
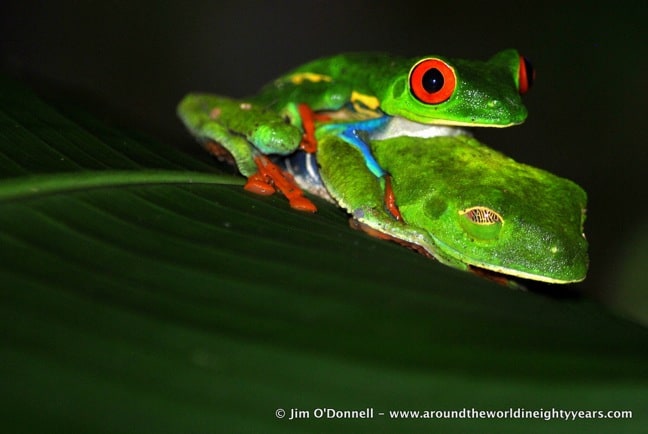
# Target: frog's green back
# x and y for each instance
(486, 93)
(328, 83)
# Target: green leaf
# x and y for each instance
(143, 290)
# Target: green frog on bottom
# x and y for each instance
(466, 205)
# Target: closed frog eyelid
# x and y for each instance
(481, 215)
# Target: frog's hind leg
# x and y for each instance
(228, 147)
(263, 176)
(243, 133)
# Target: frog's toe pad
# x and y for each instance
(258, 185)
(302, 204)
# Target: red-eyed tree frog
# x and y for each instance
(356, 96)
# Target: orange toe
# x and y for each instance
(302, 204)
(259, 186)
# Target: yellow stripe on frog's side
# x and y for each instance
(368, 101)
(301, 77)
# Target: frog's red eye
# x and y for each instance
(432, 81)
(526, 75)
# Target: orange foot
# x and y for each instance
(270, 176)
(390, 200)
(308, 118)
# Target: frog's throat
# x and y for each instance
(398, 126)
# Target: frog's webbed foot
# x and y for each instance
(270, 177)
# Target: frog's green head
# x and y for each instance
(501, 231)
(437, 90)
(477, 207)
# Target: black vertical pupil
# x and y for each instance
(432, 80)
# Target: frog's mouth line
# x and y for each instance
(498, 274)
(502, 279)
(432, 122)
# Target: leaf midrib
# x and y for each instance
(26, 187)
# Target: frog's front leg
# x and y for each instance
(352, 133)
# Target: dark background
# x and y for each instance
(130, 63)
